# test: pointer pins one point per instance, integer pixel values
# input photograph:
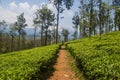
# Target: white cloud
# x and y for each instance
(7, 15)
(34, 8)
(13, 5)
(10, 13)
(24, 5)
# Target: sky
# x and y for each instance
(10, 9)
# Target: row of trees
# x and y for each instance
(44, 19)
(49, 22)
(13, 36)
(96, 17)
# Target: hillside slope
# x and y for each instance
(98, 59)
(27, 64)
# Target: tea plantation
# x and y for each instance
(23, 65)
(98, 59)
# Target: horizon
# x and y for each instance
(10, 9)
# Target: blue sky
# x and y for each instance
(9, 9)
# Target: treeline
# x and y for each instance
(93, 17)
(96, 17)
(13, 36)
(45, 20)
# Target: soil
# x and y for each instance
(63, 70)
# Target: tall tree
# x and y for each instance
(36, 23)
(95, 22)
(65, 33)
(108, 17)
(104, 16)
(117, 18)
(3, 25)
(20, 25)
(75, 21)
(12, 33)
(100, 17)
(53, 33)
(40, 22)
(47, 16)
(23, 41)
(74, 35)
(91, 18)
(82, 11)
(116, 4)
(59, 6)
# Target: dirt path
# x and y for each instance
(63, 69)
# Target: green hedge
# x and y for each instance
(99, 59)
(23, 65)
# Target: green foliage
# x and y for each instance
(99, 59)
(65, 33)
(23, 65)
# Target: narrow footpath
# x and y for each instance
(62, 67)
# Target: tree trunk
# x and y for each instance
(34, 37)
(115, 21)
(58, 10)
(41, 35)
(91, 14)
(23, 42)
(84, 34)
(80, 32)
(12, 40)
(19, 40)
(100, 28)
(0, 41)
(46, 37)
(94, 31)
(119, 28)
(108, 20)
(76, 32)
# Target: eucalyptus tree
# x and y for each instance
(75, 21)
(36, 24)
(39, 20)
(94, 16)
(87, 12)
(100, 17)
(20, 25)
(91, 6)
(12, 33)
(3, 25)
(104, 16)
(49, 36)
(23, 41)
(65, 33)
(116, 4)
(74, 35)
(47, 17)
(95, 22)
(81, 28)
(109, 8)
(83, 17)
(53, 33)
(59, 7)
(117, 18)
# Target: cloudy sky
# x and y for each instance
(9, 9)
